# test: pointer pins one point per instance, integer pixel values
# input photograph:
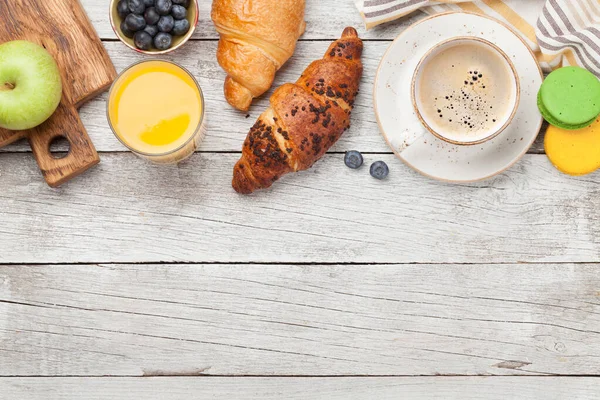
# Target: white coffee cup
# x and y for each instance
(456, 86)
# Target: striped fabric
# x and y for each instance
(560, 32)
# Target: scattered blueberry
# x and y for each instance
(353, 159)
(163, 6)
(379, 170)
(178, 12)
(126, 31)
(151, 30)
(136, 6)
(162, 41)
(149, 3)
(181, 27)
(135, 22)
(165, 23)
(151, 16)
(142, 40)
(123, 8)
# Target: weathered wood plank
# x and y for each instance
(227, 128)
(325, 20)
(127, 210)
(417, 388)
(134, 320)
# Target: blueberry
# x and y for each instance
(123, 9)
(166, 23)
(149, 3)
(151, 16)
(379, 170)
(181, 27)
(162, 41)
(163, 6)
(178, 12)
(142, 40)
(151, 30)
(353, 159)
(135, 22)
(126, 31)
(136, 6)
(185, 3)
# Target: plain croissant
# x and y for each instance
(257, 38)
(305, 119)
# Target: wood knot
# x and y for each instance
(510, 364)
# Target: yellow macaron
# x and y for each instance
(574, 152)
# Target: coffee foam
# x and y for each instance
(465, 91)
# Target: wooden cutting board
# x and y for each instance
(63, 28)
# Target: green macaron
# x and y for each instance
(570, 98)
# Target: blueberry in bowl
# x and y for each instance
(180, 27)
(138, 23)
(125, 31)
(135, 22)
(163, 6)
(178, 12)
(151, 30)
(165, 23)
(123, 9)
(142, 40)
(151, 16)
(162, 41)
(135, 6)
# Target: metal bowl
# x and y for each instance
(178, 41)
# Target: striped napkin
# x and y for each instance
(560, 32)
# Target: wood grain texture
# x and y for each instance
(127, 210)
(324, 19)
(157, 320)
(63, 28)
(421, 388)
(227, 127)
(164, 326)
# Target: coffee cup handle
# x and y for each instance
(408, 135)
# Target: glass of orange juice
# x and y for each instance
(156, 109)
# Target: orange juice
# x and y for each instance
(156, 109)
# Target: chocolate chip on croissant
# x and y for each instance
(305, 118)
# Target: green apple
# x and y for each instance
(30, 85)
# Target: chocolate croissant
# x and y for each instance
(305, 118)
(257, 38)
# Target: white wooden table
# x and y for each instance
(137, 281)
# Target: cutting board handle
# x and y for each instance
(82, 154)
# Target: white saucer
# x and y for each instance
(409, 139)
